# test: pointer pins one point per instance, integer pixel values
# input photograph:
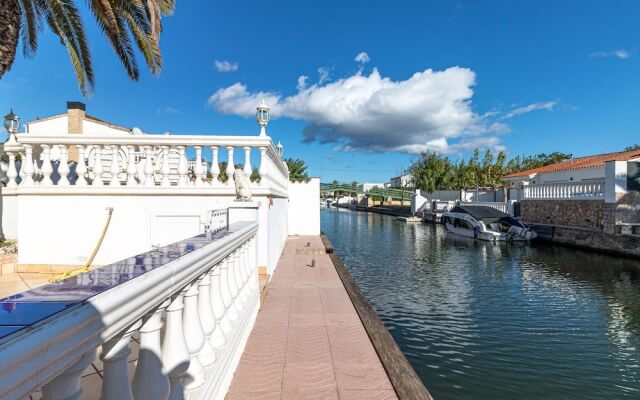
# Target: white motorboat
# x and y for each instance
(486, 223)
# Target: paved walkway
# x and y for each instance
(308, 341)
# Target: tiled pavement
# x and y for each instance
(14, 283)
(308, 341)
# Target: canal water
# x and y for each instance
(484, 321)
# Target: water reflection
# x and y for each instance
(485, 321)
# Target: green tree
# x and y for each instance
(632, 147)
(255, 175)
(297, 170)
(123, 22)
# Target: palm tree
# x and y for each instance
(297, 170)
(120, 21)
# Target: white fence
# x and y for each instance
(565, 191)
(139, 161)
(504, 207)
(193, 310)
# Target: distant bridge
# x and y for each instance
(354, 189)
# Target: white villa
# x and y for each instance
(400, 182)
(81, 192)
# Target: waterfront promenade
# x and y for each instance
(308, 341)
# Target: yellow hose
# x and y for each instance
(93, 255)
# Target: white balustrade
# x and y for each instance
(500, 206)
(565, 191)
(139, 162)
(190, 295)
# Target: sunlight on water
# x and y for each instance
(484, 321)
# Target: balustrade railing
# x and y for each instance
(565, 191)
(192, 304)
(500, 206)
(140, 161)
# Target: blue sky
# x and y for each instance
(539, 77)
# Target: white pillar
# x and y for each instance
(27, 166)
(263, 166)
(148, 167)
(247, 162)
(97, 167)
(165, 167)
(175, 354)
(12, 172)
(215, 168)
(197, 169)
(131, 166)
(207, 355)
(194, 337)
(182, 167)
(150, 381)
(115, 166)
(81, 167)
(217, 308)
(47, 168)
(225, 294)
(66, 386)
(615, 184)
(230, 166)
(115, 384)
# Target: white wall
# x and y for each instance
(304, 208)
(573, 175)
(8, 215)
(64, 229)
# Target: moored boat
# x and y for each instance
(486, 223)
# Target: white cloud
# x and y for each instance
(429, 110)
(323, 75)
(362, 58)
(548, 105)
(226, 66)
(168, 110)
(620, 53)
(302, 82)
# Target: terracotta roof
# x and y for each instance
(581, 162)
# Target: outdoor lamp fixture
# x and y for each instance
(11, 123)
(262, 115)
(280, 148)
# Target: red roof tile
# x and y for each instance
(581, 162)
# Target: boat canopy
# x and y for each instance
(481, 212)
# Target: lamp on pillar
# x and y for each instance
(280, 148)
(11, 123)
(262, 115)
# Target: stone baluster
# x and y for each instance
(165, 167)
(63, 166)
(97, 167)
(197, 169)
(175, 354)
(115, 166)
(234, 310)
(247, 162)
(230, 166)
(150, 381)
(215, 167)
(253, 265)
(66, 386)
(182, 167)
(148, 167)
(12, 172)
(194, 337)
(239, 299)
(246, 274)
(27, 166)
(81, 167)
(242, 292)
(131, 166)
(207, 354)
(115, 353)
(225, 294)
(217, 307)
(47, 168)
(263, 166)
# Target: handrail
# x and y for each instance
(56, 351)
(565, 191)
